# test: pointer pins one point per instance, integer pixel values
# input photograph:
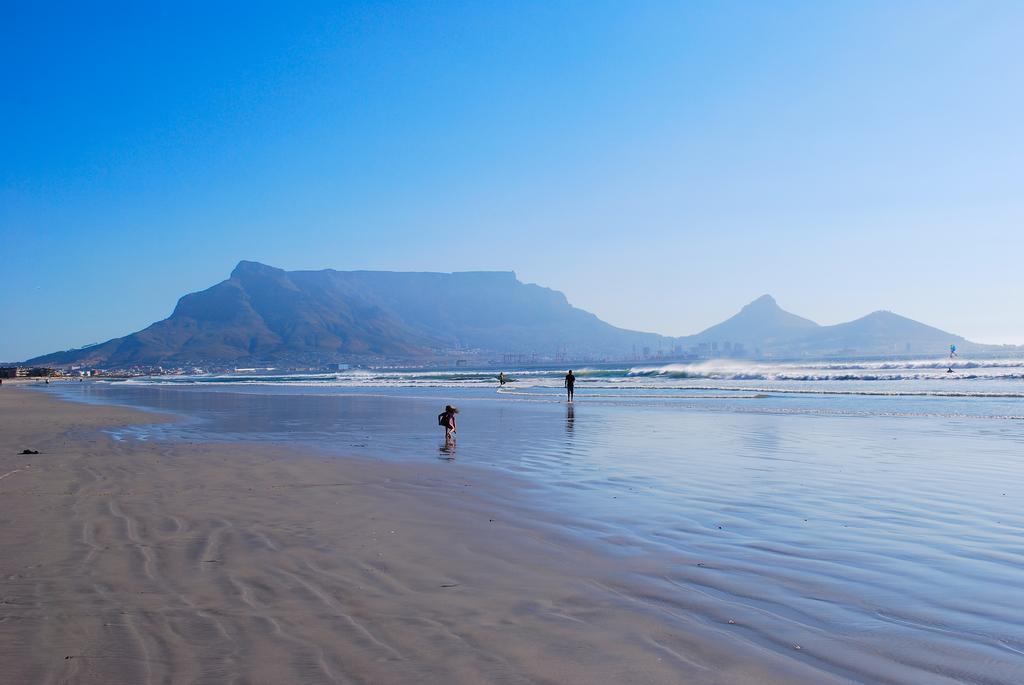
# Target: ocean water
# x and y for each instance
(872, 513)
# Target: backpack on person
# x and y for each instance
(442, 419)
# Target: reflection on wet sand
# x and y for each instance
(843, 533)
(447, 450)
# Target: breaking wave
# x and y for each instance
(990, 387)
(837, 371)
(944, 371)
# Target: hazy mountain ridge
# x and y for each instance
(882, 329)
(264, 314)
(761, 323)
(764, 328)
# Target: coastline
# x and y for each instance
(142, 562)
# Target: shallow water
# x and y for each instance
(881, 531)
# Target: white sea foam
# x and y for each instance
(922, 378)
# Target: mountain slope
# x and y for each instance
(265, 313)
(262, 314)
(764, 326)
(760, 324)
(882, 332)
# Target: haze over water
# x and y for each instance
(869, 513)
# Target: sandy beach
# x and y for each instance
(391, 343)
(132, 562)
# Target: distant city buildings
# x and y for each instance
(27, 372)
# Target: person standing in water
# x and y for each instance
(447, 419)
(501, 378)
(570, 384)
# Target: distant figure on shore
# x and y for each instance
(447, 419)
(570, 384)
(501, 378)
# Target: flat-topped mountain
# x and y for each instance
(262, 313)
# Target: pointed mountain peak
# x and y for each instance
(761, 321)
(882, 315)
(765, 309)
(766, 301)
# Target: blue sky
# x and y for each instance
(660, 163)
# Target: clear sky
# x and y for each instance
(660, 163)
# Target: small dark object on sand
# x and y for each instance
(30, 452)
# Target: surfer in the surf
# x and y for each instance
(501, 378)
(570, 384)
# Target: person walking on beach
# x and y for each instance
(570, 384)
(447, 419)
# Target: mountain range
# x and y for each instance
(262, 314)
(764, 328)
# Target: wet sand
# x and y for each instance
(136, 562)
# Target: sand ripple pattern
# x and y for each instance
(768, 559)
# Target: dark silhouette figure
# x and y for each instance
(570, 384)
(501, 378)
(447, 419)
